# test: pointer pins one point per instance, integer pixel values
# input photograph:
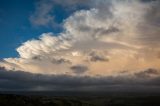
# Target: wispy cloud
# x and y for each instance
(44, 9)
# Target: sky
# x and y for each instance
(79, 44)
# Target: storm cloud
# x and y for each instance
(106, 37)
(19, 80)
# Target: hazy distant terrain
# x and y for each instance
(110, 100)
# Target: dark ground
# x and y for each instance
(78, 99)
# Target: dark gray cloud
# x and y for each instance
(19, 80)
(39, 58)
(60, 61)
(79, 69)
(53, 60)
(148, 73)
(94, 57)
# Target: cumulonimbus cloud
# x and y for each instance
(115, 31)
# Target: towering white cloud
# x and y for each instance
(46, 44)
(106, 39)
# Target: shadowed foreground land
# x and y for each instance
(110, 100)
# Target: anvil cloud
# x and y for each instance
(118, 37)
